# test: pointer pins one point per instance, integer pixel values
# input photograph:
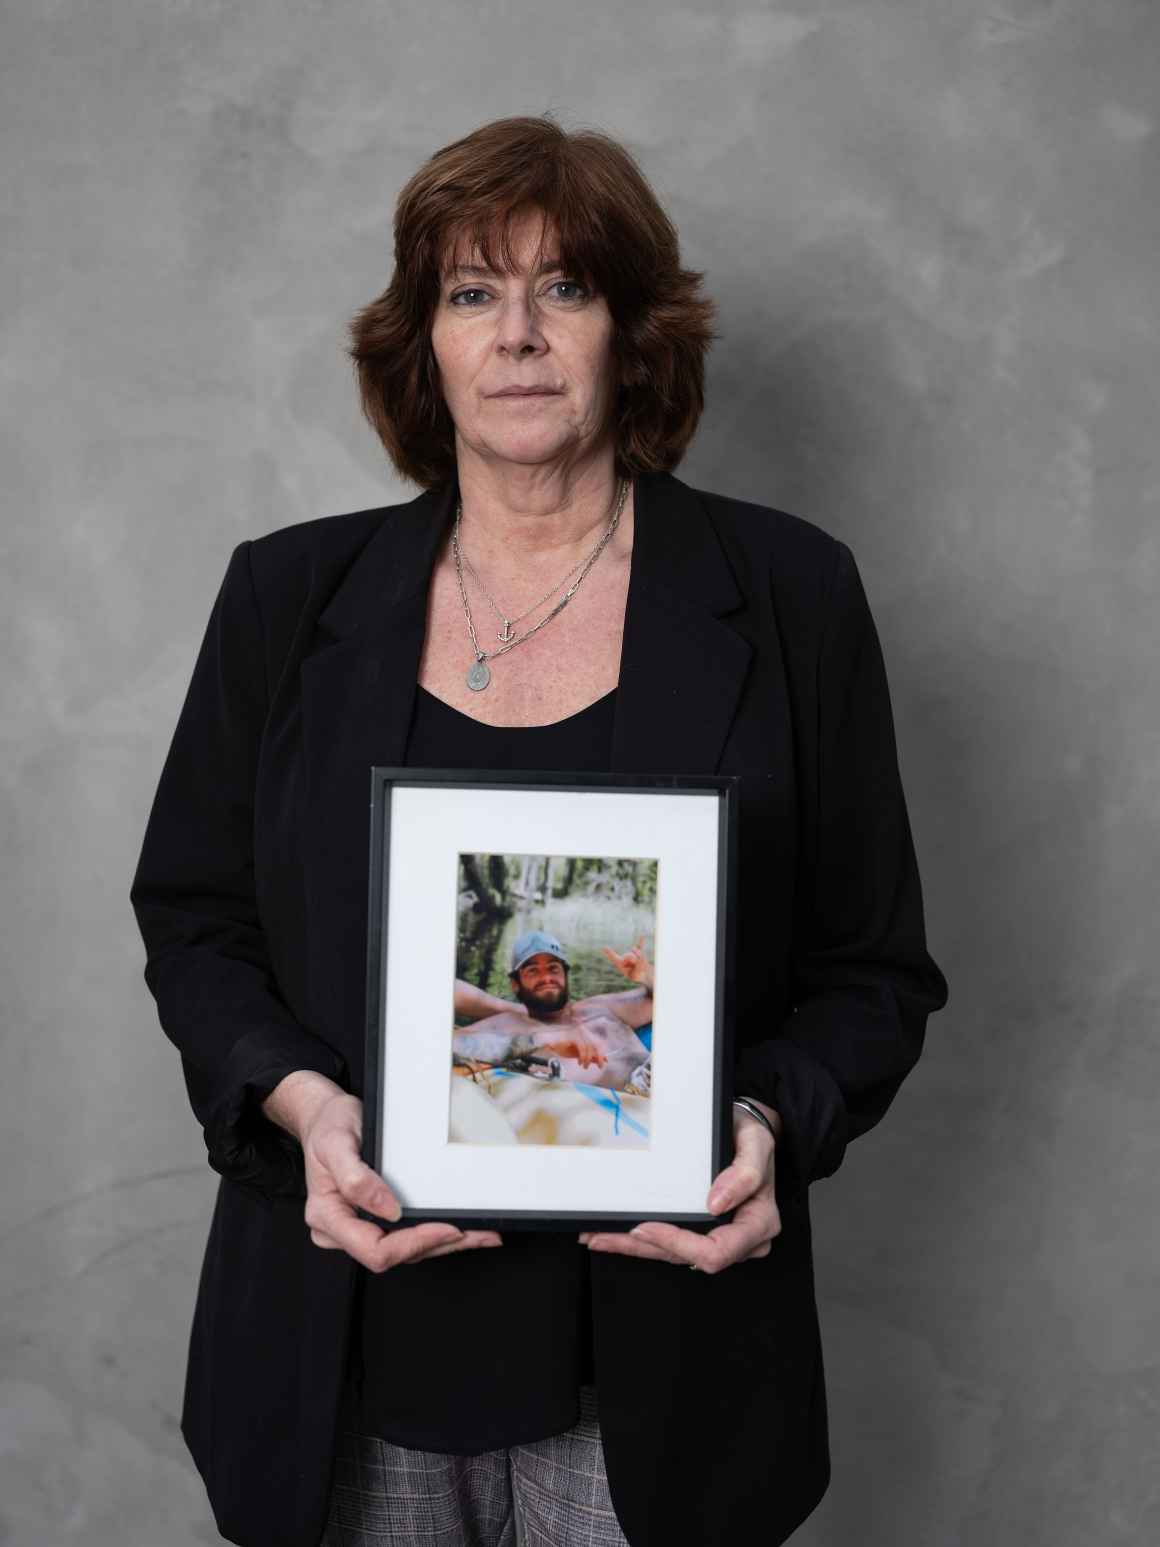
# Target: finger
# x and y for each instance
(359, 1238)
(753, 1148)
(734, 1185)
(349, 1175)
(754, 1225)
(483, 1240)
(721, 1247)
(679, 1245)
(403, 1246)
(767, 1204)
(365, 1189)
(731, 1243)
(625, 1244)
(329, 1214)
(752, 1140)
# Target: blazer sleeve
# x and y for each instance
(862, 981)
(207, 961)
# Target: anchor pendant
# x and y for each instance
(505, 634)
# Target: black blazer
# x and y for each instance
(748, 649)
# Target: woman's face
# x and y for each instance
(535, 328)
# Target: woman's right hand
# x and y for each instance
(327, 1122)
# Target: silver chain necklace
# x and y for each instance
(505, 634)
(479, 674)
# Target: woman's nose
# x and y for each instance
(519, 328)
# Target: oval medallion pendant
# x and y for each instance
(478, 676)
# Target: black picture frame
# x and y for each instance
(432, 812)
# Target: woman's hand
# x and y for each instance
(746, 1185)
(328, 1124)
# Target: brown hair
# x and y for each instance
(612, 236)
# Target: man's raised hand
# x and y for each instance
(633, 963)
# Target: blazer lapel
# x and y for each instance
(358, 689)
(358, 686)
(681, 669)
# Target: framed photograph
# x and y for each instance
(549, 1017)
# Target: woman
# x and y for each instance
(554, 597)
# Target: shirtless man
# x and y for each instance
(594, 1039)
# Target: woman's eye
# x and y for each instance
(463, 298)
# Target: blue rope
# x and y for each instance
(610, 1100)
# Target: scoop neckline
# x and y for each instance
(547, 725)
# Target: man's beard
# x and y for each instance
(546, 1003)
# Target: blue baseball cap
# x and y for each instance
(532, 944)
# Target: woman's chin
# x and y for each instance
(532, 450)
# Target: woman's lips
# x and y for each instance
(527, 392)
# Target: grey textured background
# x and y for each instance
(932, 229)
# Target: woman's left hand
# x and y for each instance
(746, 1185)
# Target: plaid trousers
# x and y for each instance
(553, 1493)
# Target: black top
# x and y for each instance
(501, 1392)
(441, 737)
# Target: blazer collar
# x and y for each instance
(677, 556)
(394, 566)
(681, 669)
